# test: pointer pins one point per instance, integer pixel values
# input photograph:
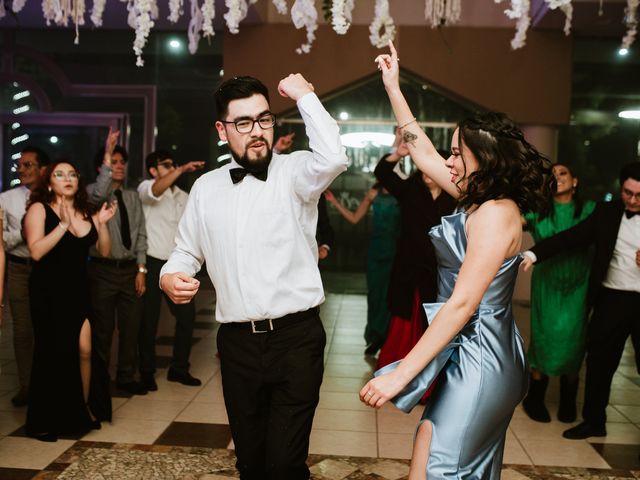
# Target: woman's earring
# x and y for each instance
(49, 188)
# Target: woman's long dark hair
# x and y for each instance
(578, 203)
(508, 166)
(43, 192)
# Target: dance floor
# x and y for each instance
(182, 432)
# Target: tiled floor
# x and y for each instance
(182, 432)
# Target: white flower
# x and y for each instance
(304, 14)
(631, 21)
(97, 11)
(381, 20)
(281, 6)
(519, 10)
(439, 12)
(175, 10)
(237, 12)
(568, 13)
(142, 11)
(208, 14)
(341, 15)
(17, 5)
(195, 26)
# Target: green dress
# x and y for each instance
(382, 250)
(558, 297)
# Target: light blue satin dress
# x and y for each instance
(483, 371)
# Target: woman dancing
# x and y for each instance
(69, 389)
(472, 340)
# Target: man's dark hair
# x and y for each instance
(41, 156)
(630, 170)
(236, 88)
(156, 157)
(118, 149)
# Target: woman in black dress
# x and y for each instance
(69, 390)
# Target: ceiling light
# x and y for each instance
(175, 44)
(53, 139)
(623, 52)
(344, 116)
(632, 114)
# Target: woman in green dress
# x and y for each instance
(558, 303)
(382, 249)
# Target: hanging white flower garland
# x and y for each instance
(304, 14)
(195, 26)
(17, 5)
(381, 21)
(175, 10)
(631, 16)
(140, 12)
(208, 14)
(442, 12)
(519, 10)
(281, 6)
(341, 15)
(97, 11)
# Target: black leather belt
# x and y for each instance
(114, 262)
(271, 324)
(20, 260)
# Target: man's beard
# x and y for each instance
(255, 165)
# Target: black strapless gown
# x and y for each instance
(59, 299)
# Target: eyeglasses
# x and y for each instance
(166, 164)
(245, 125)
(27, 165)
(630, 194)
(71, 176)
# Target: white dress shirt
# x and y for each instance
(258, 238)
(14, 204)
(624, 273)
(162, 215)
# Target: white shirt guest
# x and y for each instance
(254, 222)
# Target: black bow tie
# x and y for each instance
(238, 174)
(630, 214)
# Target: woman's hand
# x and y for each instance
(372, 194)
(330, 197)
(389, 66)
(381, 389)
(65, 215)
(106, 212)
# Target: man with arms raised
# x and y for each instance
(254, 222)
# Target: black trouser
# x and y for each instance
(271, 383)
(185, 317)
(113, 295)
(615, 317)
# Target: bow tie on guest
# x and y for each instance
(630, 214)
(238, 174)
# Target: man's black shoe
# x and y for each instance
(585, 430)
(183, 378)
(134, 388)
(149, 383)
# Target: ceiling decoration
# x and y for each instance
(142, 15)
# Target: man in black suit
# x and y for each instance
(614, 292)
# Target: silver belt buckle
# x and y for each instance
(253, 327)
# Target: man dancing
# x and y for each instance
(253, 221)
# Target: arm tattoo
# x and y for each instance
(410, 138)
